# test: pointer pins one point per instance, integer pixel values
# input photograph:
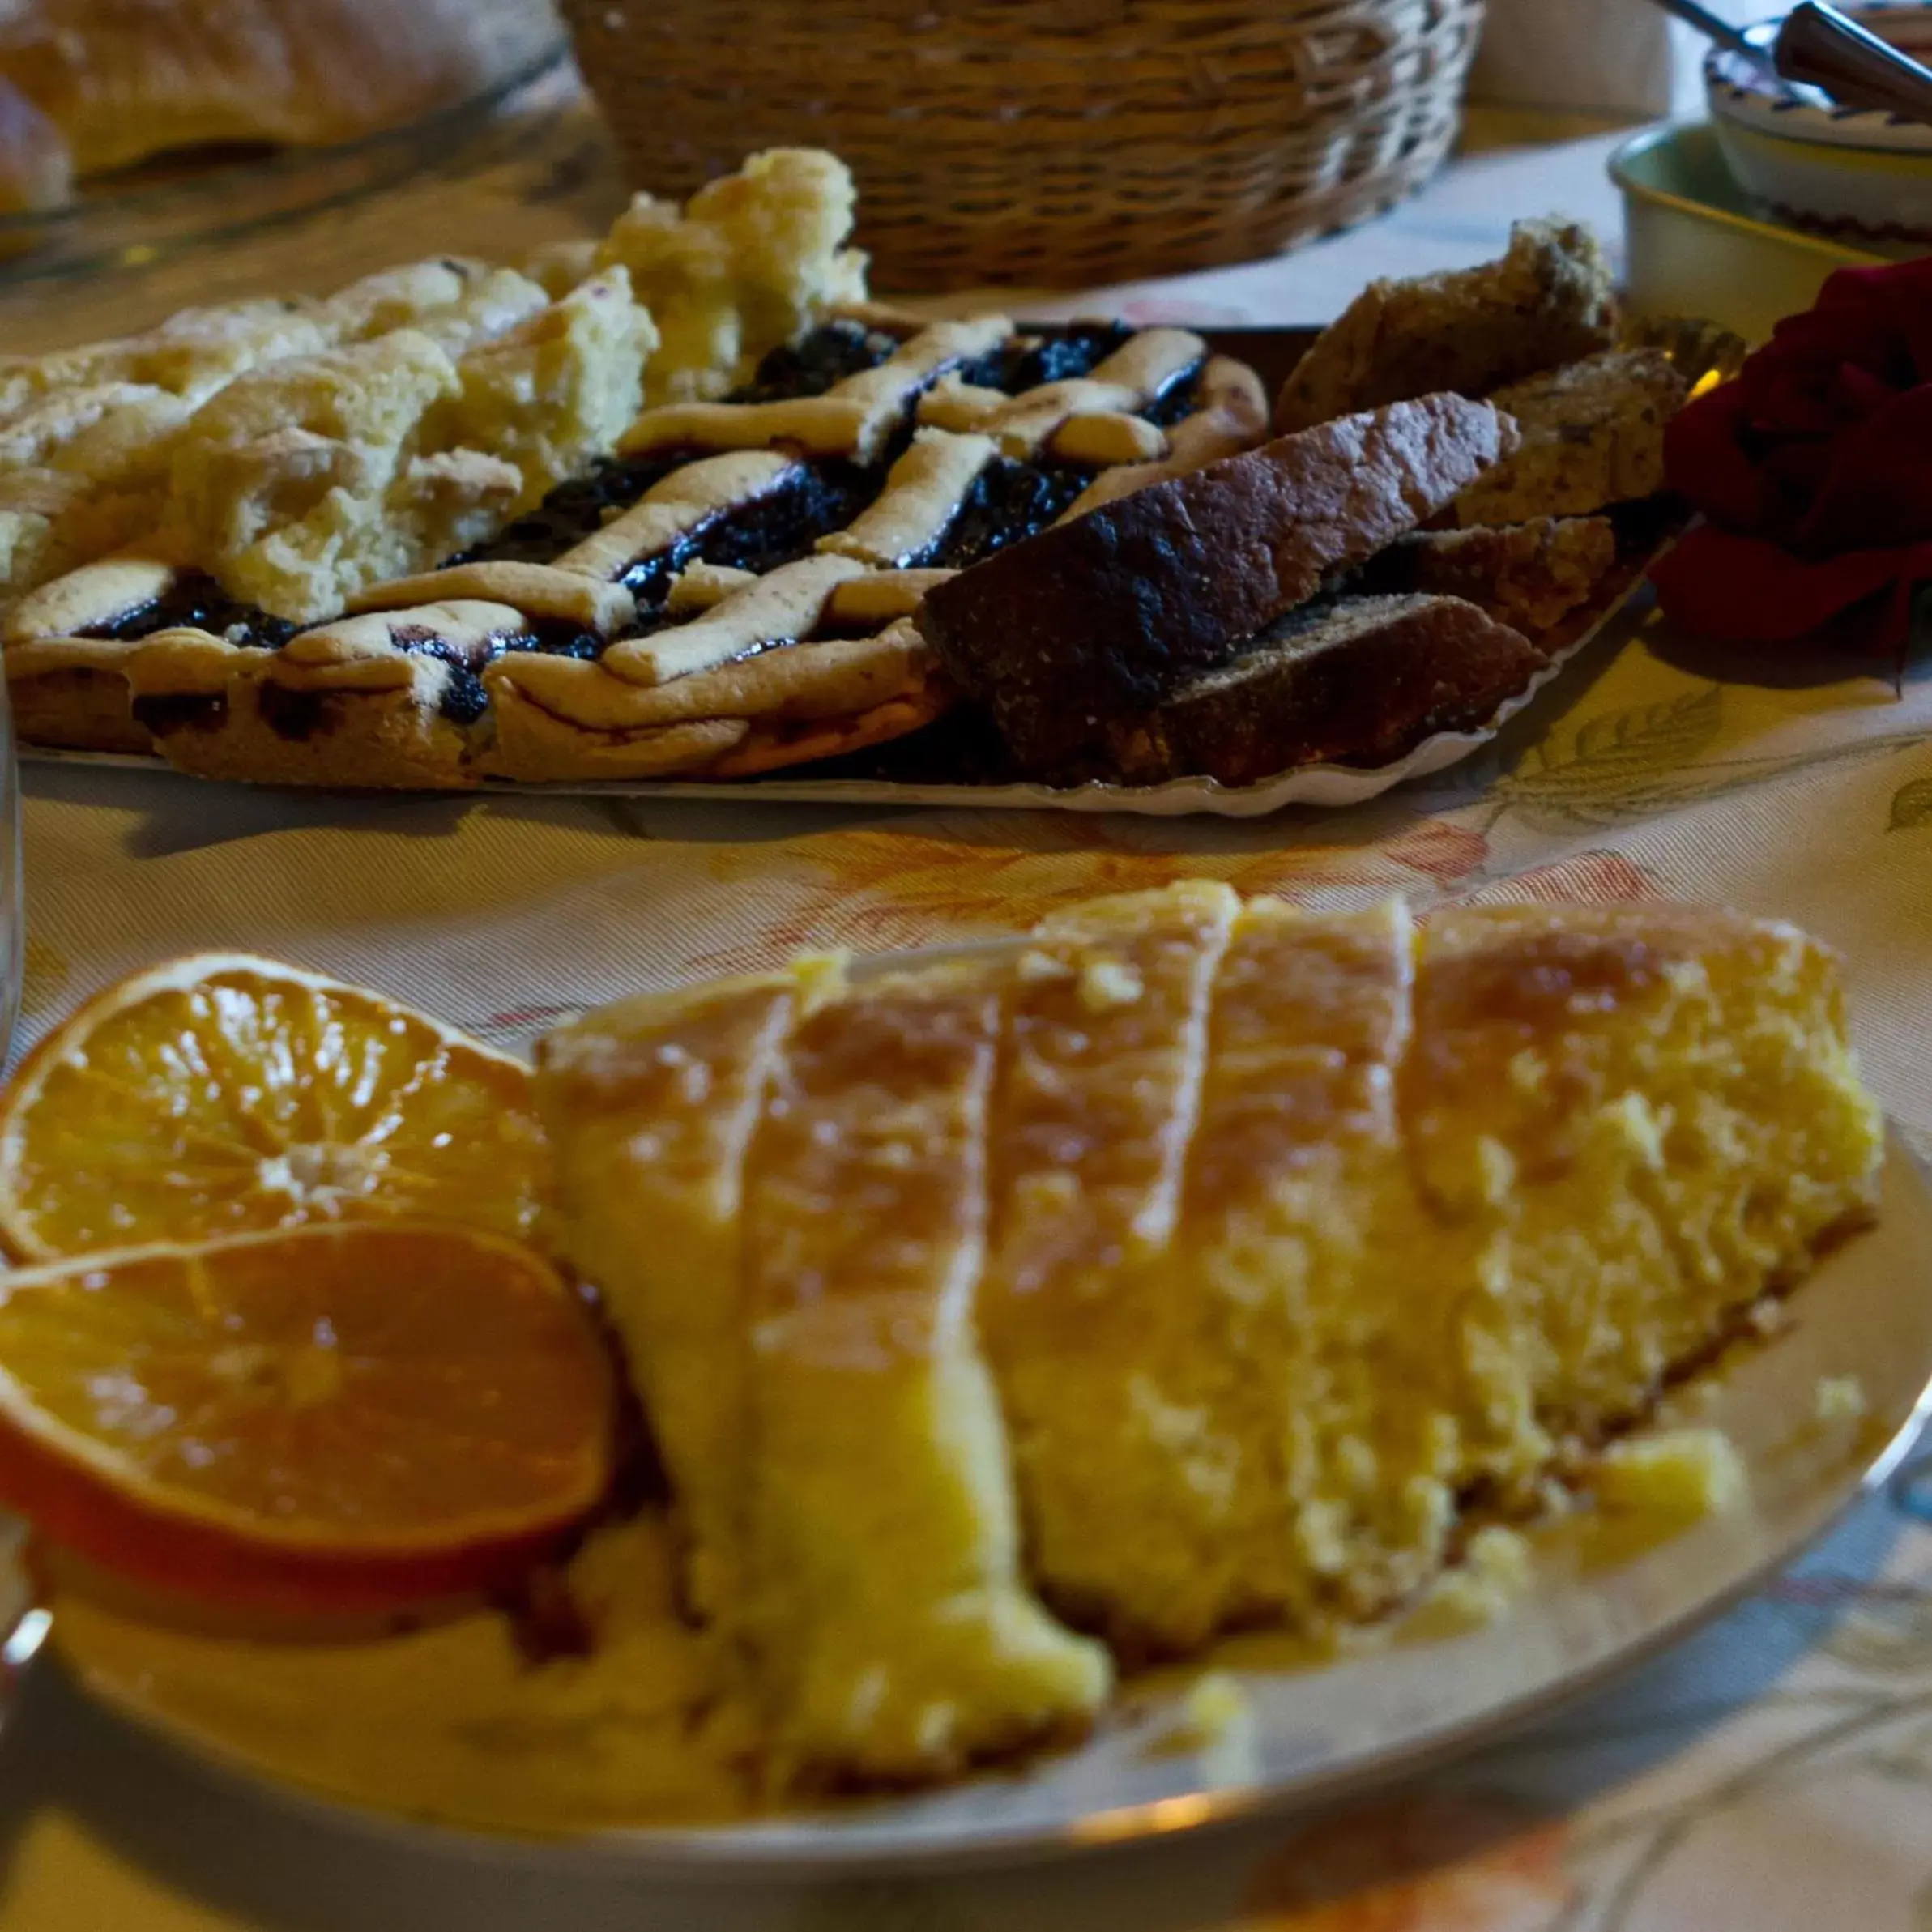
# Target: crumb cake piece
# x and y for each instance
(1532, 575)
(650, 1105)
(555, 391)
(893, 1628)
(192, 353)
(301, 483)
(277, 483)
(1593, 436)
(1113, 612)
(746, 266)
(778, 1184)
(1549, 302)
(1649, 1115)
(94, 489)
(1097, 1104)
(456, 301)
(1284, 1233)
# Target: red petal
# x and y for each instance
(1742, 590)
(1706, 463)
(1878, 491)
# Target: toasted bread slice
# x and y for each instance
(1593, 436)
(1550, 300)
(1532, 575)
(1113, 612)
(1364, 678)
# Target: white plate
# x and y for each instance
(1321, 1730)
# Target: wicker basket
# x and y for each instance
(1061, 142)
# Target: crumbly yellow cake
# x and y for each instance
(1282, 1234)
(811, 1363)
(652, 1103)
(1098, 1102)
(1644, 1115)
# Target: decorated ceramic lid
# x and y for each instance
(1749, 94)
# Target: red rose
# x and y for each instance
(1814, 468)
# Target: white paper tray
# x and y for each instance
(1328, 785)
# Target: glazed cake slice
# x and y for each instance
(895, 1635)
(1096, 1107)
(1287, 1234)
(778, 1185)
(650, 1105)
(1640, 1118)
(1241, 1452)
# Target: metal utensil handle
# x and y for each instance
(1820, 44)
(1708, 24)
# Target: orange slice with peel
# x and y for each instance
(357, 1418)
(219, 1094)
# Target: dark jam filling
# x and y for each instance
(573, 511)
(1045, 353)
(830, 353)
(578, 509)
(1009, 501)
(163, 712)
(777, 528)
(1177, 399)
(196, 599)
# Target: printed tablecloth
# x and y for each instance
(1773, 1775)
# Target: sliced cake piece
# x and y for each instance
(1550, 300)
(1361, 678)
(650, 1105)
(1286, 1233)
(1647, 1115)
(1095, 1109)
(1116, 611)
(1242, 1441)
(895, 1637)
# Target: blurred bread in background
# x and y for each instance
(87, 86)
(36, 169)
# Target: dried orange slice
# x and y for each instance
(351, 1416)
(220, 1093)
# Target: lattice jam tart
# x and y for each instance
(729, 592)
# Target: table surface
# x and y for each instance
(1774, 1774)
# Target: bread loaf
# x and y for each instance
(1105, 617)
(1593, 436)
